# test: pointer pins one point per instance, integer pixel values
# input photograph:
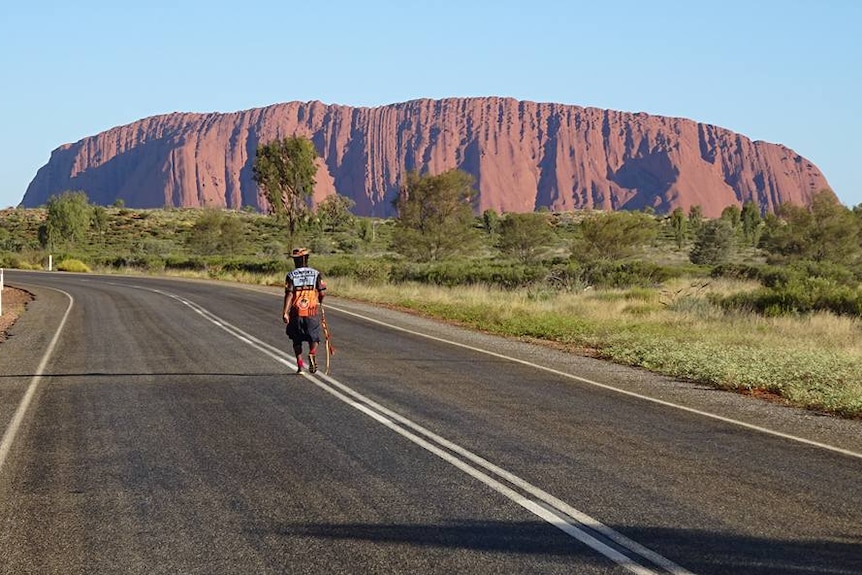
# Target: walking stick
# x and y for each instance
(330, 351)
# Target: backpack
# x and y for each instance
(305, 282)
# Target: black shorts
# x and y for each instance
(301, 329)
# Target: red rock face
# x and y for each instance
(523, 155)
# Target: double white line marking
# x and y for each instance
(627, 553)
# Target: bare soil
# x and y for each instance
(14, 303)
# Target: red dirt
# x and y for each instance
(14, 302)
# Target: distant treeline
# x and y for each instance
(804, 259)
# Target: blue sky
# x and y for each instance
(787, 71)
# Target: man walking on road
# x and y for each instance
(304, 290)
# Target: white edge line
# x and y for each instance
(18, 418)
(612, 388)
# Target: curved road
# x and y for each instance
(155, 426)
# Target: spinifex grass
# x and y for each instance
(813, 362)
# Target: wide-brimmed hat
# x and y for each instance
(299, 252)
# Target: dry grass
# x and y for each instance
(810, 361)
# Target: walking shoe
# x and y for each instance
(312, 362)
(299, 365)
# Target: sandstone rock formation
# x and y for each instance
(523, 155)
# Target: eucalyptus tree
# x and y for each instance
(613, 235)
(524, 236)
(490, 222)
(435, 216)
(751, 222)
(335, 213)
(825, 232)
(67, 221)
(679, 227)
(216, 232)
(695, 218)
(284, 171)
(99, 220)
(733, 215)
(714, 243)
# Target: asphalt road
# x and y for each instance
(156, 426)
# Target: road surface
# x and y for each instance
(156, 426)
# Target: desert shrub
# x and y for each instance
(567, 277)
(110, 261)
(73, 265)
(362, 270)
(713, 243)
(256, 266)
(837, 273)
(692, 305)
(10, 260)
(274, 249)
(801, 295)
(840, 300)
(737, 271)
(185, 263)
(16, 261)
(347, 244)
(322, 244)
(157, 247)
(468, 272)
(778, 276)
(153, 264)
(610, 274)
